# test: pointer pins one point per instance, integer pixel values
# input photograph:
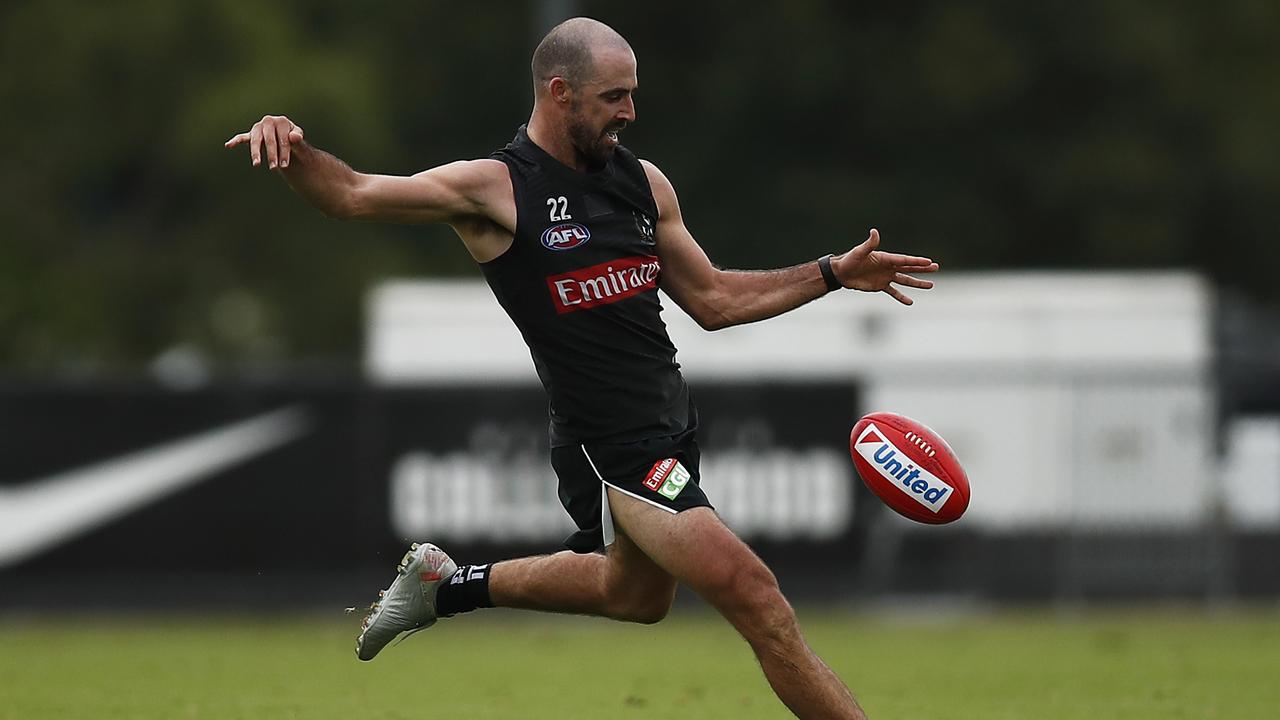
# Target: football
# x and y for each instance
(909, 467)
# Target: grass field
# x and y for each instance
(1028, 666)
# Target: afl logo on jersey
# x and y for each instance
(565, 236)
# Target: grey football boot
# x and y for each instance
(409, 605)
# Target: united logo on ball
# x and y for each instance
(909, 467)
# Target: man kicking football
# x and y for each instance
(575, 235)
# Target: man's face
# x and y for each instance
(602, 105)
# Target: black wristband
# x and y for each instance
(829, 275)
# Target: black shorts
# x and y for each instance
(661, 471)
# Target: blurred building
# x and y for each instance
(1093, 413)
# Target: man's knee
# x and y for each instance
(747, 593)
(647, 610)
(645, 606)
(635, 588)
(745, 584)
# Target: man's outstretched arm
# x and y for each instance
(447, 193)
(718, 298)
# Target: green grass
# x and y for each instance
(1029, 666)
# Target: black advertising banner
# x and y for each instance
(288, 494)
(469, 468)
(142, 495)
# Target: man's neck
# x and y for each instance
(554, 141)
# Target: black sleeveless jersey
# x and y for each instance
(580, 281)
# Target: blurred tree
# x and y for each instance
(992, 134)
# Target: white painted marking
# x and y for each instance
(46, 512)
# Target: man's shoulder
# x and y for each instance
(654, 174)
(487, 169)
(481, 187)
(663, 191)
(475, 177)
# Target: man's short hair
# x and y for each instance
(567, 50)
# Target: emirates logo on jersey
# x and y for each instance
(605, 283)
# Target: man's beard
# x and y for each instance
(590, 145)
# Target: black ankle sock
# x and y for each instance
(467, 590)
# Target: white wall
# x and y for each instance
(1251, 473)
(1077, 399)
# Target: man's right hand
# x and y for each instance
(272, 134)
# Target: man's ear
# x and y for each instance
(560, 90)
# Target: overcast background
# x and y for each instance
(988, 135)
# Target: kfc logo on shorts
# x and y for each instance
(565, 236)
(667, 478)
(660, 470)
(605, 283)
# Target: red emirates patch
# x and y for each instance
(605, 283)
(659, 473)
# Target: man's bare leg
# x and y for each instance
(698, 550)
(623, 584)
(635, 581)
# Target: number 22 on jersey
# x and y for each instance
(559, 208)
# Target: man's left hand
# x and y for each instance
(870, 270)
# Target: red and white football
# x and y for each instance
(909, 467)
